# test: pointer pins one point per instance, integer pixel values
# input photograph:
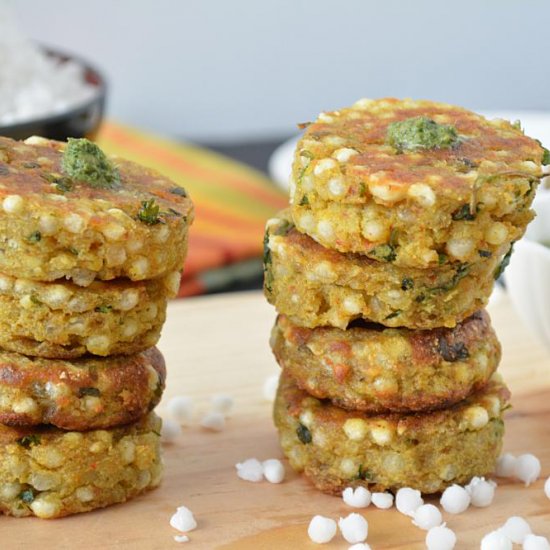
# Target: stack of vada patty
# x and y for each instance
(402, 215)
(91, 249)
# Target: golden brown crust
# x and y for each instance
(376, 369)
(354, 192)
(336, 448)
(316, 286)
(52, 473)
(49, 232)
(84, 394)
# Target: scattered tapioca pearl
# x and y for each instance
(180, 408)
(221, 403)
(269, 390)
(427, 516)
(455, 499)
(516, 529)
(506, 464)
(440, 538)
(214, 421)
(407, 500)
(183, 519)
(496, 540)
(360, 546)
(534, 542)
(250, 470)
(273, 470)
(321, 530)
(354, 528)
(547, 488)
(481, 491)
(382, 500)
(170, 430)
(527, 468)
(181, 538)
(356, 498)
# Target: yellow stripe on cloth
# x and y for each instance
(232, 201)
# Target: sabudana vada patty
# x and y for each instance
(68, 211)
(315, 286)
(376, 369)
(414, 183)
(83, 394)
(63, 320)
(51, 473)
(336, 448)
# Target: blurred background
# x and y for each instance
(215, 71)
(205, 90)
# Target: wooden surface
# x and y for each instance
(220, 344)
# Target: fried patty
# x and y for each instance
(315, 286)
(336, 448)
(51, 473)
(84, 394)
(354, 191)
(63, 320)
(372, 368)
(54, 227)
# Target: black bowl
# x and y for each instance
(80, 121)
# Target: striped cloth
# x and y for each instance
(232, 203)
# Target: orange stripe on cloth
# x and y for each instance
(205, 254)
(159, 154)
(232, 201)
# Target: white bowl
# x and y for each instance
(528, 275)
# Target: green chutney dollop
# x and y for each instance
(413, 134)
(84, 161)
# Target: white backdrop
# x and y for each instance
(222, 69)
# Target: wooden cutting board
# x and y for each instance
(220, 344)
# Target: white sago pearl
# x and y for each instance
(181, 538)
(336, 186)
(506, 465)
(170, 430)
(274, 471)
(533, 542)
(269, 389)
(482, 491)
(358, 498)
(527, 468)
(440, 538)
(547, 488)
(384, 501)
(13, 204)
(422, 193)
(407, 500)
(325, 230)
(183, 519)
(516, 529)
(360, 546)
(354, 528)
(427, 516)
(460, 248)
(44, 508)
(323, 165)
(496, 540)
(180, 408)
(344, 154)
(213, 421)
(455, 499)
(221, 403)
(250, 470)
(321, 530)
